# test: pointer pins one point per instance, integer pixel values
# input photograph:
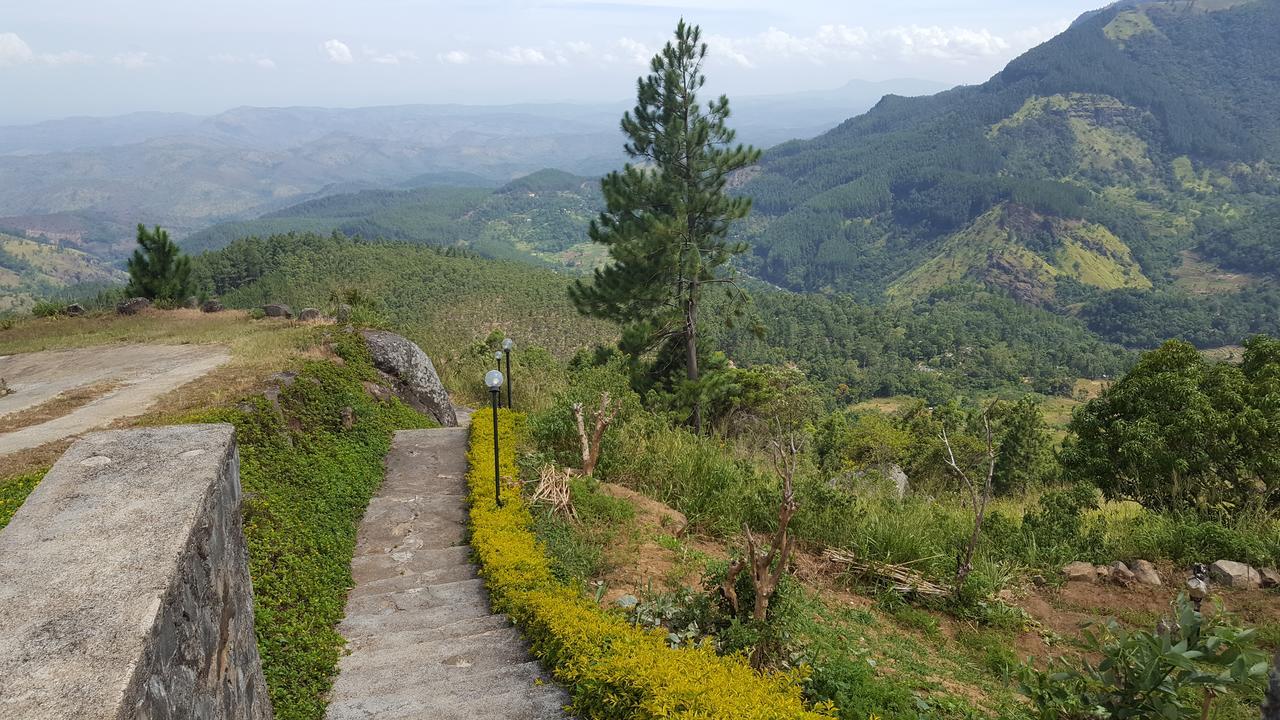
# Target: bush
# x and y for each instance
(49, 308)
(613, 670)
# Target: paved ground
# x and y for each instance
(422, 640)
(145, 372)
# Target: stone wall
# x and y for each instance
(124, 584)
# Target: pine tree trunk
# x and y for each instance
(691, 349)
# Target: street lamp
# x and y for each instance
(493, 381)
(497, 359)
(507, 344)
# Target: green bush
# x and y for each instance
(49, 308)
(14, 491)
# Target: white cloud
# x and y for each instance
(519, 55)
(259, 61)
(135, 60)
(580, 48)
(391, 58)
(338, 52)
(635, 51)
(454, 57)
(15, 51)
(837, 43)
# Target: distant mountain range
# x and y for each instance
(93, 179)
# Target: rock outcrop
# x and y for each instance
(133, 306)
(1145, 573)
(277, 310)
(309, 314)
(1235, 574)
(414, 377)
(124, 584)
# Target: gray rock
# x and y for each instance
(627, 602)
(1145, 573)
(1120, 573)
(133, 306)
(416, 381)
(124, 584)
(898, 477)
(211, 306)
(343, 313)
(1235, 574)
(1103, 572)
(1079, 572)
(277, 310)
(1270, 577)
(309, 314)
(75, 310)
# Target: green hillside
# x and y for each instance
(540, 218)
(30, 270)
(1091, 165)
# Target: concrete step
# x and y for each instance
(408, 581)
(513, 693)
(379, 566)
(392, 641)
(440, 657)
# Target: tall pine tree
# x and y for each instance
(667, 216)
(158, 270)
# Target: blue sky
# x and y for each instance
(98, 57)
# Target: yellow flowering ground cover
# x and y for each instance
(612, 669)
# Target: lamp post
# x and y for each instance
(497, 360)
(493, 381)
(507, 344)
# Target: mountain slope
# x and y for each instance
(1154, 124)
(30, 270)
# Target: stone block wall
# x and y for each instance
(124, 584)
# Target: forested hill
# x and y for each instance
(1131, 160)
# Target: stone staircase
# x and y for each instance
(421, 639)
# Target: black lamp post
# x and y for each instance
(493, 381)
(497, 360)
(507, 344)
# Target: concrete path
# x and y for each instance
(422, 640)
(145, 372)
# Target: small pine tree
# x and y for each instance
(158, 269)
(668, 216)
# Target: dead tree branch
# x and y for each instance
(978, 498)
(601, 419)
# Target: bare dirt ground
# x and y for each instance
(137, 376)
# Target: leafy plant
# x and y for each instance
(1172, 673)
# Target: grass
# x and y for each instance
(55, 407)
(14, 491)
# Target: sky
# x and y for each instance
(61, 58)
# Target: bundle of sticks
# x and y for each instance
(899, 577)
(553, 490)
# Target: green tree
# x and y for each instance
(1025, 454)
(1180, 432)
(158, 269)
(667, 216)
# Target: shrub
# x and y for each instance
(49, 308)
(613, 670)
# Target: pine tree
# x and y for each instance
(158, 270)
(667, 216)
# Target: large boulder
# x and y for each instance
(416, 381)
(1235, 574)
(211, 306)
(1121, 574)
(277, 310)
(309, 314)
(1270, 577)
(1079, 572)
(133, 306)
(75, 310)
(1145, 573)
